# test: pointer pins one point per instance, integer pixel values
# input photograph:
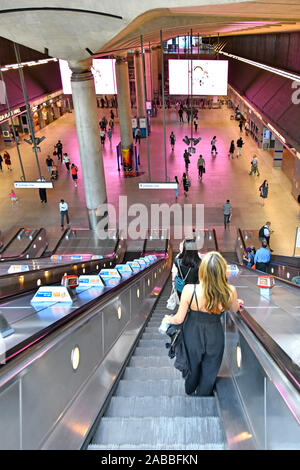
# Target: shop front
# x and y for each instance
(49, 108)
(7, 120)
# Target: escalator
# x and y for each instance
(26, 243)
(149, 409)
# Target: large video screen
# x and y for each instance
(104, 76)
(209, 77)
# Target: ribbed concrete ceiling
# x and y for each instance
(68, 28)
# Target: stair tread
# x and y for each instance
(159, 430)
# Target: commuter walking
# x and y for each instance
(59, 151)
(227, 213)
(241, 125)
(187, 161)
(247, 128)
(64, 213)
(201, 166)
(109, 134)
(176, 190)
(74, 171)
(104, 121)
(7, 160)
(49, 163)
(137, 135)
(262, 258)
(180, 114)
(265, 233)
(185, 183)
(196, 123)
(231, 149)
(213, 145)
(111, 124)
(66, 161)
(264, 191)
(43, 192)
(186, 265)
(199, 314)
(112, 116)
(1, 160)
(13, 197)
(254, 166)
(102, 136)
(239, 144)
(172, 140)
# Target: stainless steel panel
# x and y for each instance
(50, 383)
(10, 417)
(115, 317)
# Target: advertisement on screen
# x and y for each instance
(104, 76)
(198, 77)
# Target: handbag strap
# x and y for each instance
(181, 272)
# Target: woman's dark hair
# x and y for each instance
(264, 183)
(189, 256)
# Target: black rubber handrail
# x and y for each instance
(290, 370)
(23, 254)
(215, 238)
(5, 246)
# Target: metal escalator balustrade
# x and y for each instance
(149, 409)
(104, 333)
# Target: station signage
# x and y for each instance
(158, 185)
(90, 281)
(17, 268)
(52, 294)
(33, 184)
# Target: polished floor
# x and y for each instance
(224, 179)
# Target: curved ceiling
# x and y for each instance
(74, 29)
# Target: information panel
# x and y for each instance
(52, 294)
(209, 77)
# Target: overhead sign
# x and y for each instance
(33, 184)
(52, 294)
(158, 185)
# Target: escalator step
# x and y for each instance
(150, 361)
(150, 352)
(151, 373)
(160, 431)
(162, 406)
(153, 388)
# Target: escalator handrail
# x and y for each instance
(216, 240)
(22, 255)
(290, 370)
(5, 246)
(74, 315)
(48, 255)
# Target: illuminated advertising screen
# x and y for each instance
(198, 77)
(104, 76)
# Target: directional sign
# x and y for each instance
(158, 185)
(52, 294)
(90, 281)
(33, 184)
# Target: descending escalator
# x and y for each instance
(149, 409)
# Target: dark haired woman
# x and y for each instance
(263, 191)
(186, 266)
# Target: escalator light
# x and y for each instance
(288, 275)
(40, 238)
(119, 312)
(138, 293)
(38, 282)
(272, 270)
(238, 356)
(75, 357)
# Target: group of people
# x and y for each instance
(260, 259)
(106, 127)
(203, 293)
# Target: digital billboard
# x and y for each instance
(104, 76)
(198, 77)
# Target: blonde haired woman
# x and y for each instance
(203, 304)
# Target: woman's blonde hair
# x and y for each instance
(215, 288)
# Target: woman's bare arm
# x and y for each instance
(185, 299)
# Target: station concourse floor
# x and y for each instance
(224, 179)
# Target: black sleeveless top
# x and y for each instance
(192, 273)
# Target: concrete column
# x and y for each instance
(148, 74)
(278, 154)
(154, 70)
(139, 84)
(122, 78)
(85, 107)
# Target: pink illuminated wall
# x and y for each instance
(209, 77)
(104, 76)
